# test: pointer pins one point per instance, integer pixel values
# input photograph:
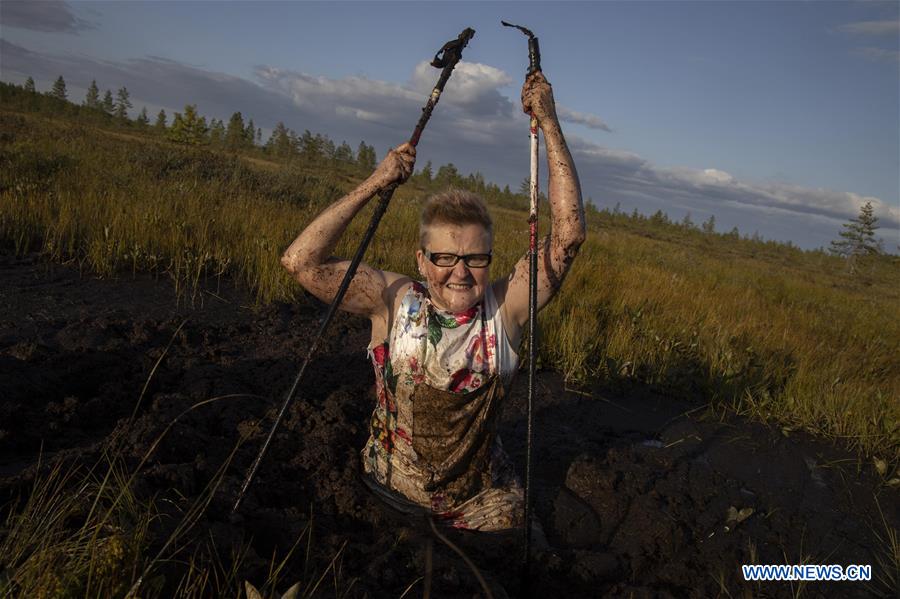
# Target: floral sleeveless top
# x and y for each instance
(452, 352)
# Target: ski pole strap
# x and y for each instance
(534, 49)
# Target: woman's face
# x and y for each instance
(455, 288)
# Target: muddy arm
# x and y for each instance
(557, 250)
(309, 258)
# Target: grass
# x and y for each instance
(775, 333)
(82, 532)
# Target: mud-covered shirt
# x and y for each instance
(458, 353)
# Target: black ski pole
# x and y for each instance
(534, 65)
(445, 59)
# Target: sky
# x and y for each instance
(781, 118)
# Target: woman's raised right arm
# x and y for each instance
(309, 258)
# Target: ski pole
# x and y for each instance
(446, 59)
(534, 65)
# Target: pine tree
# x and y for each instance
(686, 222)
(189, 128)
(160, 124)
(123, 103)
(59, 89)
(216, 132)
(447, 176)
(235, 133)
(858, 237)
(710, 225)
(280, 143)
(365, 156)
(476, 182)
(427, 173)
(525, 187)
(311, 147)
(328, 148)
(29, 85)
(142, 120)
(250, 134)
(344, 153)
(108, 105)
(658, 218)
(92, 98)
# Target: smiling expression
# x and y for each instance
(455, 288)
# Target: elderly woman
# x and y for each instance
(444, 348)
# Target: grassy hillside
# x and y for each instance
(768, 329)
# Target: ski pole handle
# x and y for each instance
(534, 55)
(534, 49)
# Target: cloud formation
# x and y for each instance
(872, 28)
(877, 54)
(152, 80)
(475, 126)
(51, 16)
(475, 88)
(581, 118)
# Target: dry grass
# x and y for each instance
(776, 333)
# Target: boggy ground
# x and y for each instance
(633, 490)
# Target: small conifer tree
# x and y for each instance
(59, 89)
(123, 103)
(92, 98)
(235, 134)
(29, 85)
(160, 124)
(108, 105)
(143, 120)
(365, 156)
(189, 128)
(216, 132)
(343, 153)
(250, 134)
(858, 237)
(280, 143)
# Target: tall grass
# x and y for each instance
(83, 532)
(42, 556)
(784, 335)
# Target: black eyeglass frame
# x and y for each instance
(466, 258)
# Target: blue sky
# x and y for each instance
(776, 117)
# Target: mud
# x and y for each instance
(639, 495)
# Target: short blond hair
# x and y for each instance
(454, 207)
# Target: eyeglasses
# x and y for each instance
(448, 260)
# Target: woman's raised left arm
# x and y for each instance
(557, 250)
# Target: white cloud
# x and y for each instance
(872, 28)
(877, 54)
(53, 16)
(473, 87)
(591, 121)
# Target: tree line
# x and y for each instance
(856, 241)
(188, 127)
